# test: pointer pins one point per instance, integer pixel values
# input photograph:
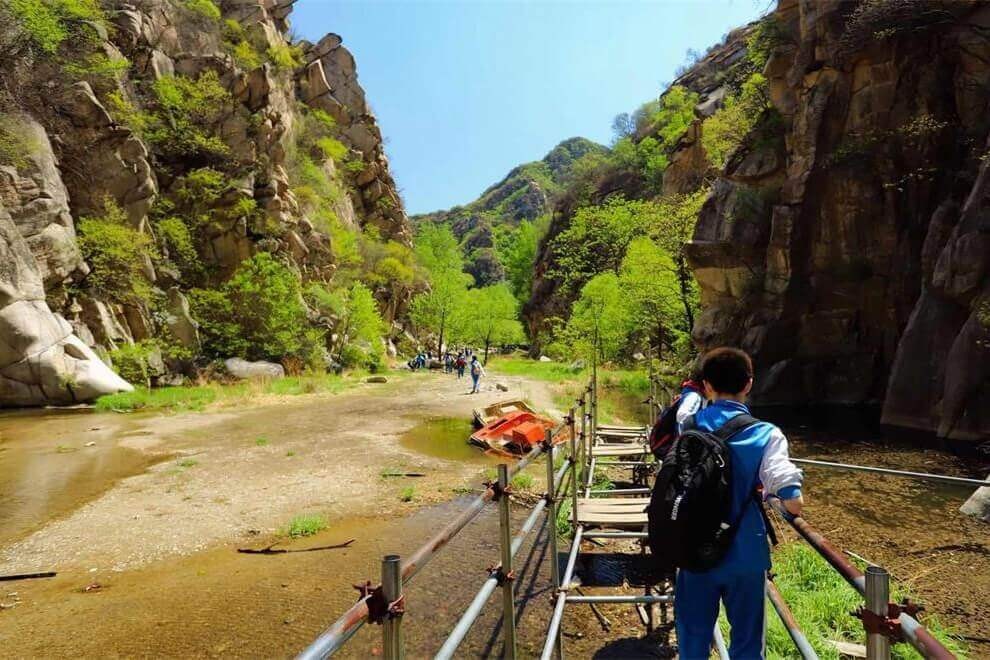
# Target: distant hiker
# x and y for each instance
(477, 371)
(448, 363)
(707, 519)
(460, 363)
(668, 425)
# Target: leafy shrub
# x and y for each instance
(257, 314)
(766, 37)
(116, 254)
(246, 56)
(15, 145)
(206, 8)
(178, 242)
(98, 66)
(285, 56)
(332, 148)
(47, 23)
(131, 361)
(183, 116)
(725, 130)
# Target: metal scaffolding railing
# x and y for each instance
(883, 621)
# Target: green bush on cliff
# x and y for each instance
(131, 361)
(258, 314)
(98, 66)
(183, 115)
(285, 56)
(47, 23)
(15, 145)
(178, 243)
(117, 254)
(206, 8)
(725, 130)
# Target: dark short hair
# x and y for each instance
(727, 370)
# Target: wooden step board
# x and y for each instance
(612, 427)
(620, 513)
(621, 435)
(619, 450)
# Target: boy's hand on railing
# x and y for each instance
(794, 505)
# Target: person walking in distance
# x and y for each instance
(707, 516)
(477, 371)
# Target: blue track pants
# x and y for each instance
(696, 611)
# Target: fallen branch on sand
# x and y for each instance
(272, 550)
(27, 576)
(403, 474)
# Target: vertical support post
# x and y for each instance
(584, 435)
(653, 392)
(877, 597)
(574, 470)
(393, 648)
(552, 528)
(508, 592)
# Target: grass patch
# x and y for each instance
(65, 449)
(187, 463)
(306, 525)
(822, 603)
(198, 397)
(290, 453)
(261, 442)
(522, 481)
(408, 494)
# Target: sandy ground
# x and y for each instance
(253, 470)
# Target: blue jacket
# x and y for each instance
(759, 456)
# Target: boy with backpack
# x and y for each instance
(707, 518)
(477, 371)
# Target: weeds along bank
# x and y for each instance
(181, 183)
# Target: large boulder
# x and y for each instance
(41, 360)
(247, 370)
(978, 505)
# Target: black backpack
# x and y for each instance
(689, 510)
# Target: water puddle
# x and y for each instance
(444, 437)
(53, 462)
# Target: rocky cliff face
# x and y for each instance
(848, 247)
(141, 103)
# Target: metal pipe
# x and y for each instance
(914, 632)
(591, 477)
(620, 599)
(473, 611)
(719, 643)
(351, 621)
(623, 491)
(553, 632)
(962, 481)
(790, 623)
(392, 646)
(574, 473)
(565, 583)
(551, 499)
(625, 463)
(508, 593)
(877, 597)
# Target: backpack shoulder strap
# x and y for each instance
(734, 425)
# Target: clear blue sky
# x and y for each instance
(464, 90)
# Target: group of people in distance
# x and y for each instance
(464, 359)
(730, 568)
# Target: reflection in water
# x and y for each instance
(444, 437)
(47, 470)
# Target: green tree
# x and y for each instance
(597, 238)
(725, 130)
(517, 251)
(648, 279)
(676, 218)
(258, 314)
(439, 255)
(601, 313)
(437, 309)
(359, 328)
(491, 317)
(117, 255)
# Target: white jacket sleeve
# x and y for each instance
(777, 473)
(690, 404)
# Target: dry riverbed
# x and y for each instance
(148, 503)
